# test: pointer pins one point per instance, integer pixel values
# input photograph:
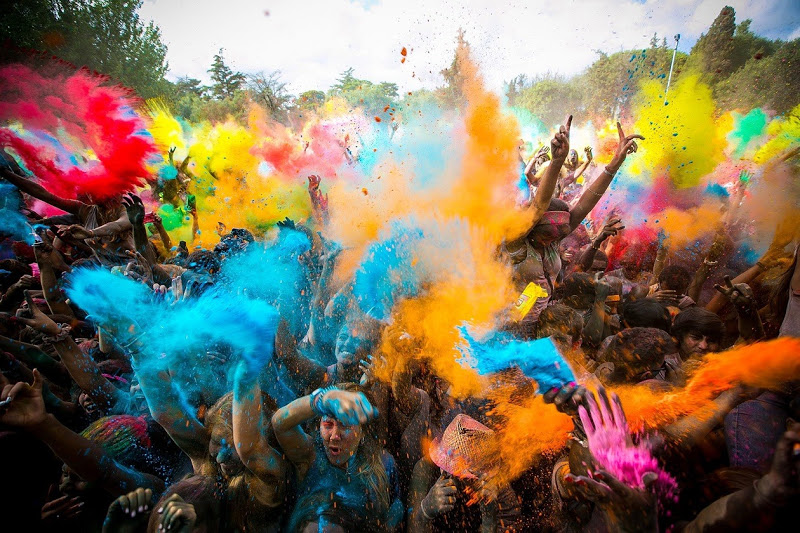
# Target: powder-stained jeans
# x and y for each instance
(753, 429)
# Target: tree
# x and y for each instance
(187, 85)
(226, 82)
(104, 35)
(551, 98)
(747, 45)
(714, 51)
(770, 82)
(452, 93)
(515, 87)
(310, 100)
(375, 99)
(269, 91)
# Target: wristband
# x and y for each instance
(606, 171)
(316, 401)
(58, 337)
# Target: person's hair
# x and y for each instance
(675, 278)
(646, 313)
(698, 320)
(633, 351)
(205, 494)
(559, 321)
(251, 500)
(557, 204)
(123, 437)
(780, 295)
(575, 286)
(203, 260)
(368, 459)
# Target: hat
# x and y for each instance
(463, 448)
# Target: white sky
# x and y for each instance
(312, 41)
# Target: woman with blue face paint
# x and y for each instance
(343, 461)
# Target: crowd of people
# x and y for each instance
(326, 435)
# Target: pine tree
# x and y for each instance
(226, 81)
(715, 49)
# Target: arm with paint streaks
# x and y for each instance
(88, 459)
(691, 429)
(250, 428)
(120, 225)
(48, 258)
(34, 357)
(134, 209)
(158, 224)
(296, 444)
(701, 275)
(322, 294)
(40, 193)
(559, 147)
(627, 145)
(741, 296)
(661, 260)
(80, 366)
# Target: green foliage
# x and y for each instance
(104, 35)
(452, 94)
(371, 97)
(714, 52)
(550, 98)
(269, 91)
(770, 82)
(226, 82)
(310, 100)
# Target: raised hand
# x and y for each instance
(567, 399)
(588, 151)
(782, 482)
(134, 207)
(627, 145)
(177, 515)
(740, 295)
(21, 404)
(440, 498)
(349, 408)
(129, 511)
(610, 229)
(313, 182)
(74, 231)
(367, 367)
(38, 321)
(559, 145)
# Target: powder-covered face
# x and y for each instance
(220, 447)
(340, 441)
(695, 344)
(546, 234)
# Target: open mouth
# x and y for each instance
(335, 451)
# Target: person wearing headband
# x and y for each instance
(535, 256)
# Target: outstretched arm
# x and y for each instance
(250, 427)
(40, 193)
(627, 145)
(25, 409)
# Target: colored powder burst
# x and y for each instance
(12, 222)
(217, 318)
(747, 128)
(685, 226)
(538, 359)
(612, 451)
(99, 118)
(407, 258)
(680, 137)
(716, 190)
(784, 133)
(272, 272)
(762, 365)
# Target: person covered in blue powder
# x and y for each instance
(341, 461)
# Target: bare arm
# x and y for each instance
(249, 428)
(40, 193)
(296, 444)
(560, 150)
(627, 145)
(89, 460)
